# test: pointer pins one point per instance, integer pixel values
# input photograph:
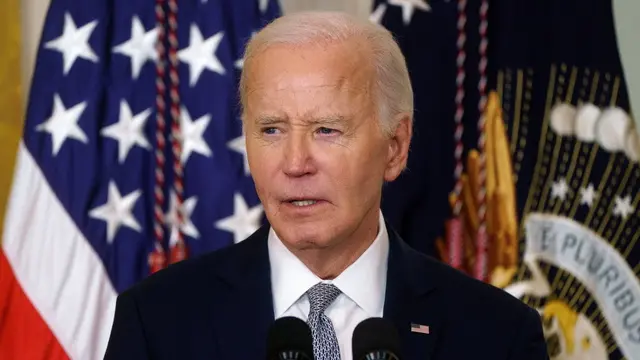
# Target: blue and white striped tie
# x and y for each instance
(325, 341)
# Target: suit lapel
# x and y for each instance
(410, 300)
(243, 307)
(246, 309)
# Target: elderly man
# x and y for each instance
(327, 111)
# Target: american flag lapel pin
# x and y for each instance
(419, 328)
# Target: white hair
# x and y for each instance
(393, 85)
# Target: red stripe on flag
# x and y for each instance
(23, 332)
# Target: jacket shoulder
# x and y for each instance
(486, 318)
(466, 292)
(196, 274)
(179, 304)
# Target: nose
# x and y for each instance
(298, 159)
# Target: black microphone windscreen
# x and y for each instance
(376, 338)
(289, 338)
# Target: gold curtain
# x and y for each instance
(11, 108)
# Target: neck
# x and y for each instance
(327, 263)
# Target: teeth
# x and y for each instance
(303, 202)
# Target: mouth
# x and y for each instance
(302, 203)
(303, 208)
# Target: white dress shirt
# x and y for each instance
(362, 285)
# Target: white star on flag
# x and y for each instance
(408, 7)
(192, 135)
(559, 189)
(74, 42)
(140, 47)
(238, 144)
(63, 124)
(243, 222)
(263, 4)
(201, 55)
(117, 211)
(128, 131)
(623, 207)
(378, 14)
(239, 64)
(588, 195)
(171, 218)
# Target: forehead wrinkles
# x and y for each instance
(343, 90)
(344, 68)
(343, 98)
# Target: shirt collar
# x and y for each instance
(364, 281)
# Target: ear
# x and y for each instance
(398, 151)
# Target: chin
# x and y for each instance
(303, 236)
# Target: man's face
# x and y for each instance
(316, 152)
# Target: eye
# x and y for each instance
(269, 130)
(327, 131)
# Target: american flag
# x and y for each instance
(132, 144)
(419, 328)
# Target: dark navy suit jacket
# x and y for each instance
(219, 307)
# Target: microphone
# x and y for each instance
(376, 339)
(289, 338)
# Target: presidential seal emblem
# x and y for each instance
(573, 254)
(579, 266)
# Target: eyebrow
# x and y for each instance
(329, 120)
(326, 119)
(269, 120)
